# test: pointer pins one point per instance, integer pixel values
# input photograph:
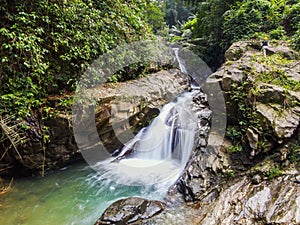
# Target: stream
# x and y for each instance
(71, 196)
(78, 195)
(146, 167)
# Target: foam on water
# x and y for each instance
(158, 153)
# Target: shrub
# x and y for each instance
(249, 17)
(46, 45)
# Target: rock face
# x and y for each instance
(263, 92)
(241, 201)
(130, 211)
(149, 94)
(253, 197)
(259, 185)
(245, 203)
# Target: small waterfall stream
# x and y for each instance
(78, 195)
(157, 156)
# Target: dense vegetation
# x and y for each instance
(219, 23)
(46, 45)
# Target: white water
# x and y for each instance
(159, 152)
(79, 196)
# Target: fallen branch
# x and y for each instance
(5, 189)
(12, 134)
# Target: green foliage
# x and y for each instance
(176, 39)
(191, 24)
(240, 95)
(296, 39)
(274, 172)
(155, 15)
(46, 45)
(230, 173)
(278, 33)
(249, 17)
(177, 12)
(280, 78)
(278, 19)
(208, 27)
(234, 133)
(294, 155)
(220, 23)
(235, 148)
(291, 18)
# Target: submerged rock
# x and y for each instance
(130, 211)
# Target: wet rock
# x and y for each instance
(241, 201)
(203, 173)
(130, 210)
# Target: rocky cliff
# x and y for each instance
(50, 142)
(253, 177)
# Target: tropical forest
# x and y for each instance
(152, 112)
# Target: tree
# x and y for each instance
(177, 12)
(250, 17)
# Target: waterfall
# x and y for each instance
(171, 134)
(159, 153)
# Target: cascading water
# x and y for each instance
(78, 195)
(158, 154)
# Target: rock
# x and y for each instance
(283, 124)
(285, 51)
(130, 210)
(242, 201)
(125, 104)
(276, 109)
(256, 179)
(236, 51)
(274, 94)
(203, 173)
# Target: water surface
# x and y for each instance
(74, 196)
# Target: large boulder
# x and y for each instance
(130, 211)
(272, 109)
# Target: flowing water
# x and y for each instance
(78, 195)
(74, 196)
(159, 152)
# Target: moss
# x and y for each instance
(274, 172)
(275, 72)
